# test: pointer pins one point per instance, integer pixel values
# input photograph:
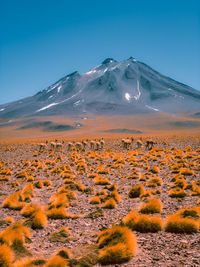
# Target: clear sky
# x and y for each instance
(43, 40)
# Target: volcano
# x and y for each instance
(126, 87)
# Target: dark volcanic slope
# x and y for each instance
(110, 88)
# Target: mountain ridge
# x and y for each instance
(112, 87)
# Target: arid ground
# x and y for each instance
(89, 189)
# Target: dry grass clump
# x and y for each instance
(117, 245)
(176, 224)
(154, 169)
(29, 209)
(60, 213)
(102, 170)
(74, 186)
(47, 182)
(30, 262)
(57, 213)
(196, 190)
(64, 253)
(177, 192)
(4, 179)
(6, 256)
(95, 200)
(145, 224)
(14, 201)
(136, 191)
(101, 181)
(7, 220)
(61, 235)
(27, 192)
(130, 219)
(109, 204)
(6, 171)
(23, 175)
(115, 195)
(15, 236)
(180, 182)
(30, 178)
(37, 220)
(67, 175)
(153, 206)
(193, 213)
(154, 182)
(148, 194)
(134, 175)
(58, 200)
(56, 261)
(38, 184)
(186, 171)
(92, 175)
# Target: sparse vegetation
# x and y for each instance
(112, 191)
(117, 245)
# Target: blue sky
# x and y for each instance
(43, 40)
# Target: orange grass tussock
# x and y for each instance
(117, 245)
(153, 206)
(6, 256)
(136, 191)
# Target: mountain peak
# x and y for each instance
(125, 87)
(108, 60)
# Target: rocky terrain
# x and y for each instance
(85, 172)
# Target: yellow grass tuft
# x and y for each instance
(136, 191)
(94, 200)
(154, 182)
(46, 182)
(145, 224)
(29, 209)
(7, 220)
(177, 192)
(115, 195)
(56, 261)
(193, 213)
(38, 184)
(153, 206)
(180, 182)
(30, 178)
(185, 171)
(109, 204)
(64, 253)
(177, 224)
(22, 175)
(130, 219)
(30, 262)
(57, 213)
(13, 201)
(154, 169)
(100, 181)
(6, 256)
(15, 236)
(4, 179)
(61, 235)
(117, 245)
(92, 175)
(27, 192)
(6, 171)
(38, 220)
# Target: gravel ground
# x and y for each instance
(153, 249)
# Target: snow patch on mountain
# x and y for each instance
(155, 109)
(46, 107)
